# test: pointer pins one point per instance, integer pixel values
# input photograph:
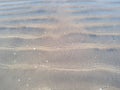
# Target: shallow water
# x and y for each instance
(59, 45)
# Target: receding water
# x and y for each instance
(59, 45)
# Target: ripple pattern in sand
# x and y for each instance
(59, 44)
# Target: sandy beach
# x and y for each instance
(59, 45)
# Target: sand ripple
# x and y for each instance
(59, 44)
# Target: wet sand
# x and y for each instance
(59, 45)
